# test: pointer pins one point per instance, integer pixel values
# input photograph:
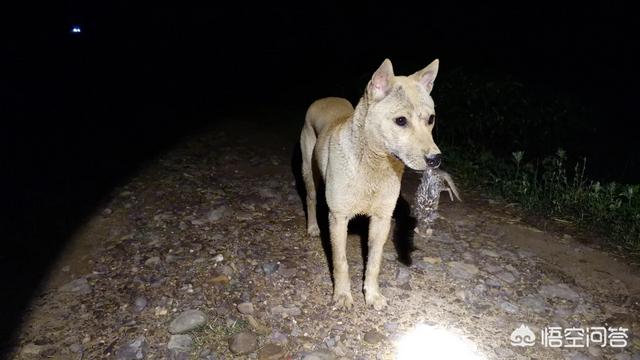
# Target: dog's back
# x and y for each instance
(325, 112)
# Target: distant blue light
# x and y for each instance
(76, 29)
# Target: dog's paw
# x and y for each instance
(376, 300)
(313, 230)
(343, 300)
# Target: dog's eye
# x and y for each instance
(432, 119)
(401, 121)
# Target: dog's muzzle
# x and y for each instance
(434, 161)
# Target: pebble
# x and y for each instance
(391, 326)
(402, 275)
(577, 356)
(444, 238)
(271, 352)
(245, 308)
(270, 267)
(319, 355)
(373, 337)
(559, 290)
(152, 261)
(76, 348)
(218, 258)
(289, 311)
(534, 303)
(506, 277)
(216, 214)
(31, 349)
(279, 338)
(490, 253)
(139, 303)
(432, 260)
(180, 342)
(79, 286)
(492, 269)
(243, 343)
(186, 321)
(509, 307)
(134, 350)
(462, 270)
(622, 356)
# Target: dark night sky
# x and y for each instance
(80, 112)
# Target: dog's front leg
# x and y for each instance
(341, 284)
(378, 234)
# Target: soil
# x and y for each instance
(218, 221)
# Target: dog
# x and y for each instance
(360, 154)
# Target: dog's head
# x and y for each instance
(401, 115)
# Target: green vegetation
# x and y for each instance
(497, 138)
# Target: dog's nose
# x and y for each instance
(434, 160)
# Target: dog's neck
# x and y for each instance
(367, 149)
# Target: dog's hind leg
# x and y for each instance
(378, 234)
(341, 283)
(307, 144)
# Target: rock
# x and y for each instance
(509, 307)
(266, 192)
(622, 356)
(289, 311)
(78, 286)
(373, 337)
(270, 267)
(559, 290)
(462, 270)
(139, 303)
(493, 282)
(76, 348)
(134, 350)
(595, 351)
(243, 343)
(279, 338)
(152, 261)
(444, 238)
(271, 352)
(490, 253)
(492, 269)
(218, 258)
(31, 349)
(319, 355)
(403, 275)
(432, 260)
(216, 214)
(186, 321)
(245, 308)
(577, 356)
(180, 343)
(534, 303)
(390, 326)
(506, 277)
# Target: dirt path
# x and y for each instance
(216, 225)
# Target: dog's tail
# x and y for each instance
(445, 175)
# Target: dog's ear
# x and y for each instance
(427, 75)
(381, 82)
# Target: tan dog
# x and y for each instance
(360, 154)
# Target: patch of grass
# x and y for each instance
(552, 188)
(487, 120)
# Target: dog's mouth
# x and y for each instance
(397, 157)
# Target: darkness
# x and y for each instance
(80, 112)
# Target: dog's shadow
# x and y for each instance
(402, 231)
